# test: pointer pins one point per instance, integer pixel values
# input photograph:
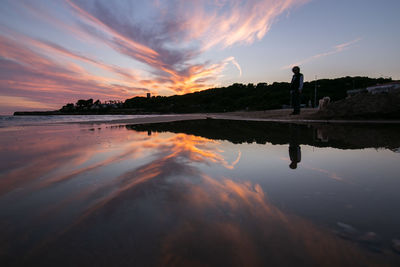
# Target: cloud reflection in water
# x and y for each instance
(146, 200)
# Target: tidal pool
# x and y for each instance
(200, 193)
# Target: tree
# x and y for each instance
(84, 103)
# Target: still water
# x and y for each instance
(200, 193)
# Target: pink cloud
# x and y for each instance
(40, 79)
(170, 42)
(180, 32)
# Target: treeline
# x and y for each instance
(90, 106)
(261, 96)
(238, 96)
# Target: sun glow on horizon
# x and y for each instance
(168, 48)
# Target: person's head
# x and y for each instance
(296, 69)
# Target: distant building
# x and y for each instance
(148, 95)
(383, 88)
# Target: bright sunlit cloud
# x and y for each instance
(166, 43)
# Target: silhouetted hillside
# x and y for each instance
(232, 98)
(248, 97)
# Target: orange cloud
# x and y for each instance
(182, 32)
(170, 45)
(231, 22)
(25, 71)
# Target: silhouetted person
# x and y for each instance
(295, 89)
(294, 147)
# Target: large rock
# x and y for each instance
(364, 106)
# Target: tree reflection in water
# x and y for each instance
(134, 198)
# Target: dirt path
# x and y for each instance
(279, 114)
(308, 115)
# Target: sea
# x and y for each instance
(13, 121)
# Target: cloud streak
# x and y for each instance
(180, 32)
(167, 43)
(24, 102)
(43, 80)
(335, 50)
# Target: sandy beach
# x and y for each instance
(308, 115)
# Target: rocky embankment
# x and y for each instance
(364, 106)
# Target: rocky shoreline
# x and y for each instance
(361, 107)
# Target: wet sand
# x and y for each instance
(152, 119)
(308, 115)
(110, 195)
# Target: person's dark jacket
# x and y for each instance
(297, 83)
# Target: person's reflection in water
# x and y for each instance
(294, 147)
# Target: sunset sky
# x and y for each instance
(55, 52)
